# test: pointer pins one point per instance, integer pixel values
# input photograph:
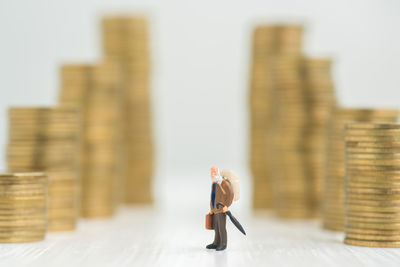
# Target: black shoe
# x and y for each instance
(221, 247)
(211, 246)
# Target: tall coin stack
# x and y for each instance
(23, 207)
(320, 101)
(95, 89)
(74, 84)
(126, 41)
(47, 139)
(261, 109)
(333, 184)
(291, 186)
(372, 185)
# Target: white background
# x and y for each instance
(200, 56)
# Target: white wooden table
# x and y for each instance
(172, 233)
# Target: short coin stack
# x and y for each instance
(23, 207)
(333, 197)
(126, 41)
(372, 186)
(261, 109)
(95, 89)
(47, 139)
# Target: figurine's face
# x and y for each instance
(214, 171)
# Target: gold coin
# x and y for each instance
(372, 168)
(379, 157)
(371, 132)
(42, 181)
(12, 211)
(373, 214)
(368, 217)
(372, 144)
(27, 222)
(17, 194)
(372, 150)
(373, 162)
(373, 126)
(373, 203)
(373, 180)
(350, 208)
(40, 228)
(375, 226)
(21, 239)
(30, 186)
(372, 197)
(33, 176)
(365, 219)
(8, 190)
(372, 191)
(382, 173)
(22, 205)
(37, 197)
(349, 183)
(385, 184)
(366, 243)
(372, 231)
(22, 235)
(6, 217)
(6, 231)
(367, 237)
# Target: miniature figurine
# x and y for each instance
(224, 189)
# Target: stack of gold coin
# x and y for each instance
(292, 198)
(126, 41)
(23, 207)
(291, 186)
(74, 84)
(320, 100)
(290, 39)
(261, 109)
(95, 89)
(333, 197)
(47, 139)
(372, 187)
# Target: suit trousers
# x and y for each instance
(219, 223)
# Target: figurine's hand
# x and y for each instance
(210, 212)
(224, 209)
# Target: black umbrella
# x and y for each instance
(233, 220)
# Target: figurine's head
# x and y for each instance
(214, 172)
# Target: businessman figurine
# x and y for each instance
(224, 189)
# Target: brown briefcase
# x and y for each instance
(209, 221)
